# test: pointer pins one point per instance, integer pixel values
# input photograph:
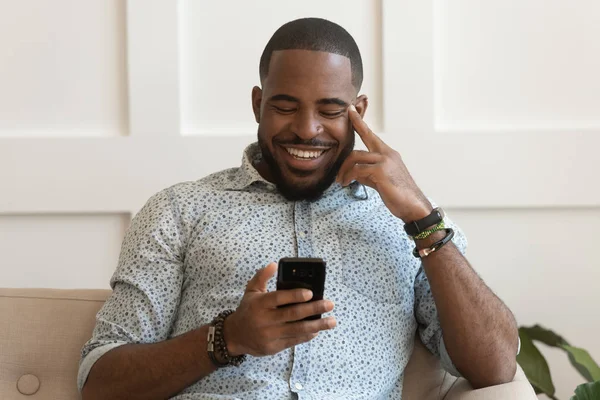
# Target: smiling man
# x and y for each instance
(194, 313)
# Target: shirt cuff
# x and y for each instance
(446, 361)
(86, 364)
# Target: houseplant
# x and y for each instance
(536, 368)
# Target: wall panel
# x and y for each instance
(62, 68)
(60, 250)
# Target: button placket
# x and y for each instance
(302, 228)
(301, 362)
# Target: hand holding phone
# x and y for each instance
(266, 323)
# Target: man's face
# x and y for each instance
(304, 132)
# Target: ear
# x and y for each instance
(361, 103)
(256, 102)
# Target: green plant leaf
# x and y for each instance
(546, 336)
(579, 358)
(584, 363)
(587, 391)
(534, 365)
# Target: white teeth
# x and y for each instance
(304, 154)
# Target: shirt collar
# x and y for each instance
(247, 174)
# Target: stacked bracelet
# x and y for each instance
(422, 253)
(428, 232)
(216, 342)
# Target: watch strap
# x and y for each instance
(415, 227)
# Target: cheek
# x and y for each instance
(340, 130)
(272, 125)
(268, 129)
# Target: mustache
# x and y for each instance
(312, 142)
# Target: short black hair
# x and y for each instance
(315, 34)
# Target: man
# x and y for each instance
(194, 250)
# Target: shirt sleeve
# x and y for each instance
(146, 284)
(429, 328)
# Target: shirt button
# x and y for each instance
(302, 234)
(298, 386)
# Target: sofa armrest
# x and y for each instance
(518, 389)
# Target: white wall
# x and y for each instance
(103, 103)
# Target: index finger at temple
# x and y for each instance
(360, 126)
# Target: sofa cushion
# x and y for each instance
(41, 335)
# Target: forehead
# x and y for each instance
(309, 74)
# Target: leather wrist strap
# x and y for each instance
(416, 227)
(422, 253)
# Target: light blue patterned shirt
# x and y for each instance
(191, 250)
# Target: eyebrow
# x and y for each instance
(284, 97)
(330, 100)
(333, 100)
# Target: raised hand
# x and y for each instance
(382, 169)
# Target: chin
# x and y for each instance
(298, 189)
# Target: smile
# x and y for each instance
(304, 154)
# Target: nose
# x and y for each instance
(306, 125)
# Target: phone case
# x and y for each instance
(307, 273)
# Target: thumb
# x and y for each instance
(259, 281)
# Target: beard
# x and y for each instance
(310, 192)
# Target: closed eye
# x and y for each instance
(282, 110)
(332, 114)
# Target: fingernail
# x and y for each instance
(352, 107)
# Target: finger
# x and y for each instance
(298, 312)
(290, 342)
(366, 174)
(259, 281)
(369, 138)
(358, 157)
(302, 328)
(283, 297)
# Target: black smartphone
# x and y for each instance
(305, 273)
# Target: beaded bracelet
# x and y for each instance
(216, 338)
(428, 232)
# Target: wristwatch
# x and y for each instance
(415, 227)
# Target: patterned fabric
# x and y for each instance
(191, 250)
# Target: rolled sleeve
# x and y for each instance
(146, 284)
(86, 363)
(446, 361)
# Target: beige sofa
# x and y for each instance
(42, 331)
